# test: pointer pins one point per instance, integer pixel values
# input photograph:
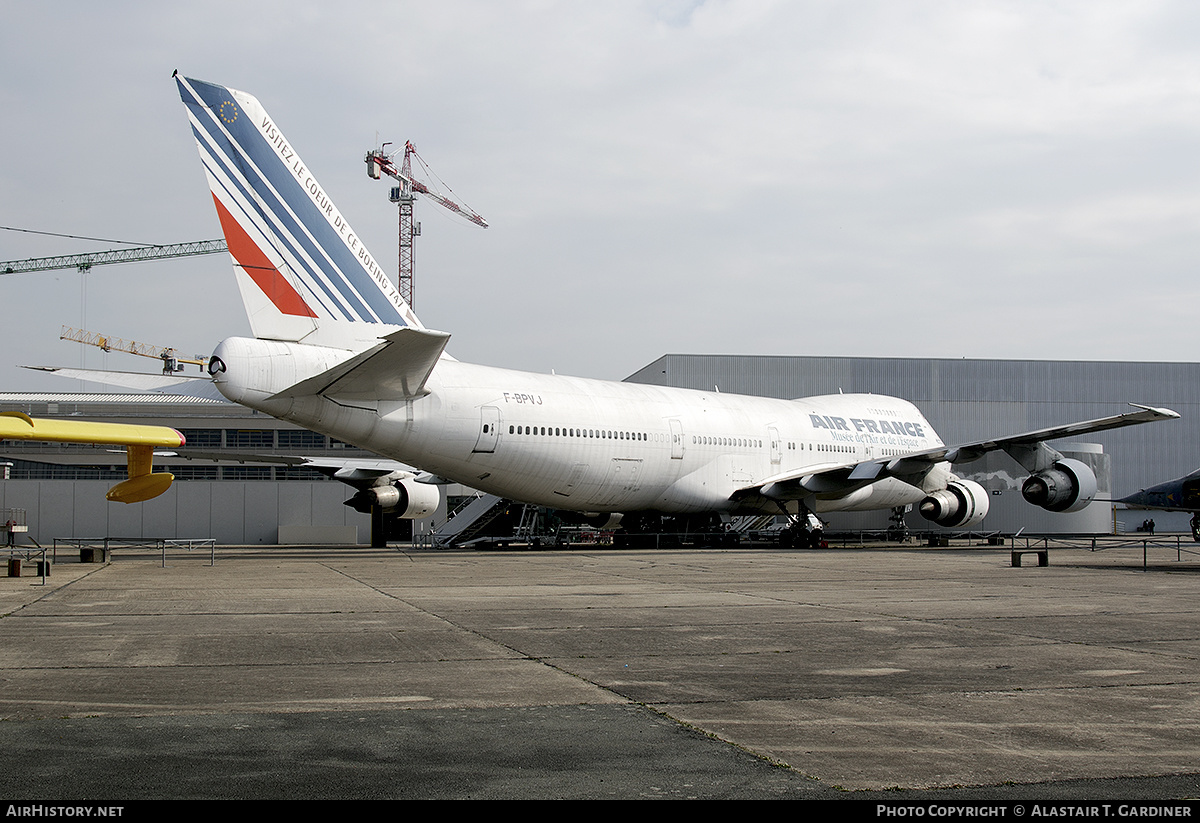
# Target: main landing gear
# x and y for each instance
(804, 531)
(897, 530)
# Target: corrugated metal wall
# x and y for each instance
(232, 512)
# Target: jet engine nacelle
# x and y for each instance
(1067, 487)
(961, 503)
(406, 498)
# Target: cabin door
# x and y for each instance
(489, 430)
(676, 439)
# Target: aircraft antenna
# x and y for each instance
(380, 163)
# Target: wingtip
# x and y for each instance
(1169, 414)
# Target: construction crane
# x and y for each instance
(380, 163)
(84, 262)
(170, 358)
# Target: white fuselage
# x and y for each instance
(592, 445)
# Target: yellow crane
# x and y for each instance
(84, 262)
(170, 358)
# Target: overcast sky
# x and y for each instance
(934, 179)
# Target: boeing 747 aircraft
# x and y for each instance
(336, 350)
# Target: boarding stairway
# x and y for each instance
(755, 526)
(468, 521)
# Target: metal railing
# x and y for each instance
(159, 544)
(1182, 543)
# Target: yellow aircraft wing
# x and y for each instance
(139, 441)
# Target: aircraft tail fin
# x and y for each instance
(303, 272)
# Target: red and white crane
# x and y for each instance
(380, 163)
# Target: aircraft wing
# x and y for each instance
(357, 472)
(386, 484)
(973, 451)
(1028, 449)
(18, 426)
(139, 441)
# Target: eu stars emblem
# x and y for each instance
(228, 111)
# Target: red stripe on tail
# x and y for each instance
(252, 260)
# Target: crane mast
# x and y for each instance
(380, 163)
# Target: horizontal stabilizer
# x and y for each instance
(183, 385)
(395, 370)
